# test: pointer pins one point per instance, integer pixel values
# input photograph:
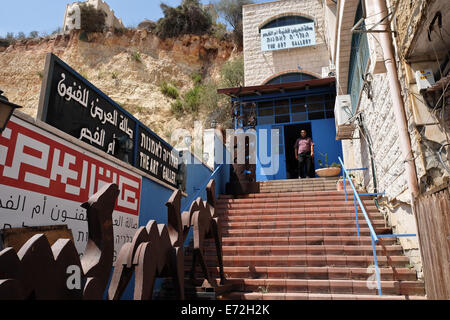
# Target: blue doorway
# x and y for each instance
(291, 134)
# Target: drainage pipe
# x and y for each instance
(397, 101)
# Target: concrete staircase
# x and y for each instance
(296, 239)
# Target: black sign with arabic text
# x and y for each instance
(73, 105)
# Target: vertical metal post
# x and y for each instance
(377, 270)
(345, 188)
(235, 118)
(241, 114)
(356, 215)
(136, 144)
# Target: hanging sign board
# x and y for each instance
(73, 105)
(156, 158)
(288, 37)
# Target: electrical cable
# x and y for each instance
(440, 157)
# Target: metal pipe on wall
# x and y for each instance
(397, 101)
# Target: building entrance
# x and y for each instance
(291, 134)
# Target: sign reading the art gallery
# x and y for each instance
(156, 158)
(288, 37)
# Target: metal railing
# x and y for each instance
(374, 237)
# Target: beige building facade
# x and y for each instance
(262, 66)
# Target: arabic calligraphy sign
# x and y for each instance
(288, 37)
(44, 179)
(73, 105)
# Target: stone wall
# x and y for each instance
(380, 123)
(261, 66)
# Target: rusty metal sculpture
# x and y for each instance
(157, 250)
(39, 271)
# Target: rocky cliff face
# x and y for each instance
(128, 67)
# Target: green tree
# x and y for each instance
(187, 18)
(231, 11)
(34, 34)
(92, 20)
(233, 73)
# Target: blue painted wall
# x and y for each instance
(324, 137)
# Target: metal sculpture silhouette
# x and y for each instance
(39, 271)
(157, 250)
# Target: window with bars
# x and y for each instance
(291, 77)
(359, 58)
(296, 109)
(286, 21)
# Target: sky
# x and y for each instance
(45, 16)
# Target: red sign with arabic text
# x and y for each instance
(33, 160)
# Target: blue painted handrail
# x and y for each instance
(373, 235)
(356, 196)
(202, 188)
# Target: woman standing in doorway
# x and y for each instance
(304, 153)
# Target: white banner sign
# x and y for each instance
(288, 37)
(44, 180)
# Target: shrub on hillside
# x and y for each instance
(169, 91)
(187, 18)
(233, 73)
(209, 98)
(196, 78)
(177, 108)
(92, 20)
(192, 100)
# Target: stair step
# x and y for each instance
(323, 218)
(311, 180)
(295, 195)
(293, 201)
(330, 273)
(313, 240)
(303, 250)
(301, 223)
(314, 213)
(301, 232)
(296, 216)
(312, 296)
(305, 261)
(389, 287)
(297, 189)
(298, 197)
(287, 203)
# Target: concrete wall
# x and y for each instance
(261, 66)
